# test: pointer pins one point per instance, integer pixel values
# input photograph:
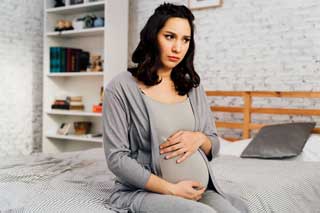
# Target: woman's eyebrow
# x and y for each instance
(185, 36)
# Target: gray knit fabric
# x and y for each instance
(170, 118)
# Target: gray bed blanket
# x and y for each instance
(80, 182)
(271, 185)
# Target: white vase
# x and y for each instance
(78, 25)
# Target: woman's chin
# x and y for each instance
(170, 65)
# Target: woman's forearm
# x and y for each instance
(159, 185)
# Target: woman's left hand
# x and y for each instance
(183, 143)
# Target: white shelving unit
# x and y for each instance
(110, 41)
(75, 138)
(73, 113)
(75, 74)
(97, 31)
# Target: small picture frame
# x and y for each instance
(202, 4)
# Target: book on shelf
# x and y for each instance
(65, 59)
(74, 98)
(76, 103)
(76, 107)
(60, 106)
(69, 103)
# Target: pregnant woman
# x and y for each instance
(158, 131)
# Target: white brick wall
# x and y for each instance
(21, 76)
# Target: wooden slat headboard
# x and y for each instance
(248, 109)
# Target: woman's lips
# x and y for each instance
(173, 59)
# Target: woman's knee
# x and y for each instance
(203, 208)
(194, 207)
(168, 203)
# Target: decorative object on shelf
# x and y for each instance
(64, 129)
(98, 107)
(63, 25)
(82, 127)
(78, 24)
(98, 22)
(96, 63)
(59, 3)
(88, 20)
(101, 95)
(202, 4)
(72, 2)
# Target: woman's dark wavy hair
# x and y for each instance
(147, 53)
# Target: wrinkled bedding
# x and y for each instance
(81, 182)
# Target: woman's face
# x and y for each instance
(173, 41)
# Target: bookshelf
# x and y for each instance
(97, 31)
(109, 41)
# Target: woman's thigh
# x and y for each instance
(217, 202)
(157, 203)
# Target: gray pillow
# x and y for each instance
(279, 141)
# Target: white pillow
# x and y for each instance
(233, 148)
(311, 150)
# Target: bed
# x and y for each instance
(80, 181)
(268, 185)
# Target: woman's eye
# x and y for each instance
(169, 37)
(186, 40)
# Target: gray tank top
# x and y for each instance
(170, 118)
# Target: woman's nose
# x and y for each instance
(176, 47)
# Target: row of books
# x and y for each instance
(69, 103)
(64, 59)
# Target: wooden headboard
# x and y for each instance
(247, 110)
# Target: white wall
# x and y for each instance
(20, 76)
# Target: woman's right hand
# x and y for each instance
(191, 190)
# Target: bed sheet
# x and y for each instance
(81, 182)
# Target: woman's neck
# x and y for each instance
(164, 74)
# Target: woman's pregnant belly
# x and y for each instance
(194, 168)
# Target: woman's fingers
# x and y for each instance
(171, 148)
(174, 154)
(198, 197)
(196, 185)
(198, 193)
(175, 135)
(184, 157)
(169, 143)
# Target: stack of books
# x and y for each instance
(75, 103)
(69, 103)
(60, 103)
(64, 59)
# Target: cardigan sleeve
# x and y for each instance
(116, 142)
(209, 128)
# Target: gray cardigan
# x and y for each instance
(130, 145)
